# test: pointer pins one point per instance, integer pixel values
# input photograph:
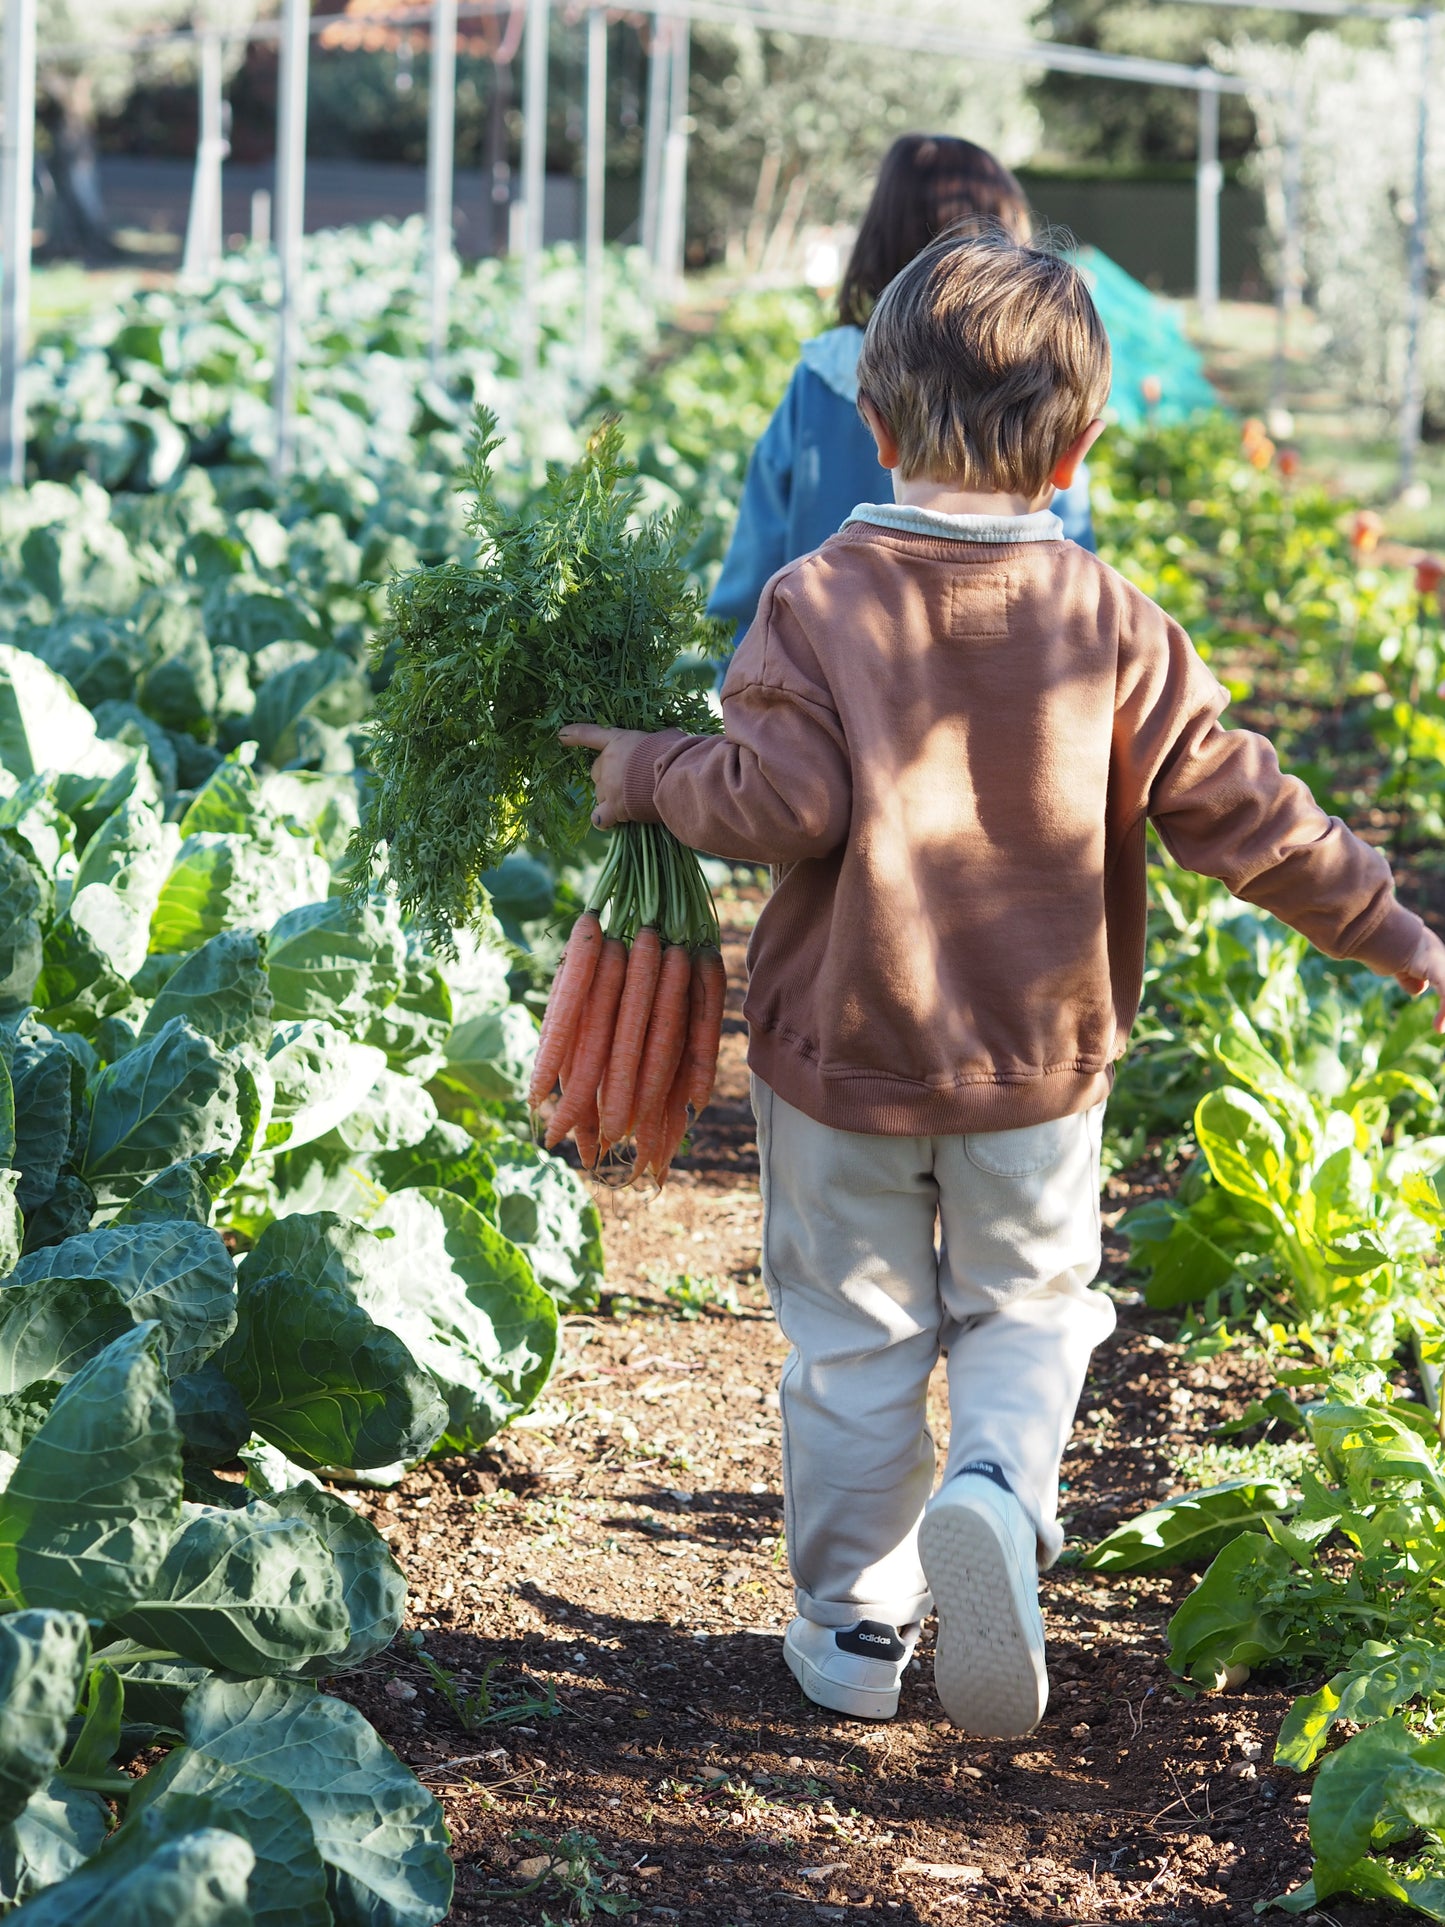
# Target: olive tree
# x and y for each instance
(87, 65)
(1347, 114)
(789, 127)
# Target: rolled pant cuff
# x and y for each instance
(847, 1612)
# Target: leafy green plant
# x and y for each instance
(691, 1294)
(491, 1701)
(1345, 1575)
(579, 1867)
(1302, 1195)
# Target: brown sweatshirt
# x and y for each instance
(950, 751)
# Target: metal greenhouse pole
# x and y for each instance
(1209, 179)
(594, 196)
(440, 166)
(1412, 395)
(534, 171)
(672, 212)
(290, 216)
(17, 214)
(1287, 292)
(203, 223)
(654, 136)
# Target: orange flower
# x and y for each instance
(1289, 463)
(1252, 434)
(1365, 531)
(1152, 389)
(1262, 453)
(1429, 574)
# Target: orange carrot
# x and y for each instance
(565, 1005)
(615, 1104)
(674, 1122)
(666, 1038)
(585, 1132)
(649, 1131)
(704, 1028)
(594, 1042)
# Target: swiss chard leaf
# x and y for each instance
(1192, 1527)
(1379, 1680)
(1230, 1618)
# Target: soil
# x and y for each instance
(597, 1604)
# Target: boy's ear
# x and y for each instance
(882, 434)
(1066, 467)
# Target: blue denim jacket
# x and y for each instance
(815, 463)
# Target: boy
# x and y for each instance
(947, 730)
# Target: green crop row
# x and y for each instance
(263, 1212)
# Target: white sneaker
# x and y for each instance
(980, 1556)
(850, 1669)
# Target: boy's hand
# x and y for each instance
(609, 773)
(1426, 971)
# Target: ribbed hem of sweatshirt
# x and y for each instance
(891, 1107)
(1392, 943)
(1042, 526)
(639, 785)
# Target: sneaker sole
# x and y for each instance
(856, 1701)
(989, 1674)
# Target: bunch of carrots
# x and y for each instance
(573, 603)
(630, 1038)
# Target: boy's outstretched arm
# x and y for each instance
(1224, 808)
(1426, 971)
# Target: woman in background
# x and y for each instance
(816, 460)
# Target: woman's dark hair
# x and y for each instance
(928, 183)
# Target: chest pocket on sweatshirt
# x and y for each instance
(978, 606)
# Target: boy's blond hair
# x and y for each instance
(986, 358)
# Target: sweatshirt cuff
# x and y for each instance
(1392, 943)
(639, 786)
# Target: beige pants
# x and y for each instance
(879, 1253)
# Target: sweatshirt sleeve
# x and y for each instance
(776, 787)
(1223, 807)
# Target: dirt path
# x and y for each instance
(618, 1555)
